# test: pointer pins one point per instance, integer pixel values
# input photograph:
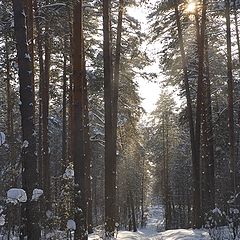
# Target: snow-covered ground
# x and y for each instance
(155, 219)
(154, 230)
(145, 234)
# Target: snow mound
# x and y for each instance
(69, 173)
(71, 225)
(37, 193)
(16, 195)
(183, 234)
(177, 234)
(94, 237)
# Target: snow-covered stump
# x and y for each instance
(14, 200)
(71, 227)
(10, 220)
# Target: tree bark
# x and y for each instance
(230, 100)
(78, 134)
(64, 115)
(30, 211)
(133, 212)
(195, 174)
(9, 105)
(30, 38)
(45, 117)
(41, 80)
(209, 169)
(117, 75)
(87, 151)
(110, 164)
(197, 220)
(237, 29)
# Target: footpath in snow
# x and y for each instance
(155, 224)
(178, 234)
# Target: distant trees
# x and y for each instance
(80, 114)
(68, 112)
(201, 84)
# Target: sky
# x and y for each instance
(149, 90)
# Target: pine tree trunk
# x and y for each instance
(78, 134)
(87, 151)
(237, 30)
(70, 97)
(9, 106)
(41, 80)
(45, 117)
(110, 164)
(195, 168)
(197, 220)
(30, 211)
(238, 46)
(64, 115)
(134, 226)
(210, 166)
(142, 193)
(230, 101)
(30, 38)
(117, 76)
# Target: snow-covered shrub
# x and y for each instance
(214, 220)
(222, 226)
(16, 195)
(37, 193)
(233, 219)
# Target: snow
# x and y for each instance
(217, 210)
(55, 5)
(234, 210)
(146, 234)
(2, 217)
(2, 220)
(37, 193)
(155, 219)
(155, 223)
(2, 138)
(25, 144)
(71, 225)
(49, 214)
(69, 173)
(16, 195)
(27, 56)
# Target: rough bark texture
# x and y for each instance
(208, 193)
(230, 101)
(64, 115)
(117, 75)
(196, 177)
(45, 115)
(197, 218)
(87, 151)
(30, 38)
(77, 134)
(41, 80)
(110, 164)
(237, 29)
(30, 221)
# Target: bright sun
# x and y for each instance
(191, 7)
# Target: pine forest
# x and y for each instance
(120, 119)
